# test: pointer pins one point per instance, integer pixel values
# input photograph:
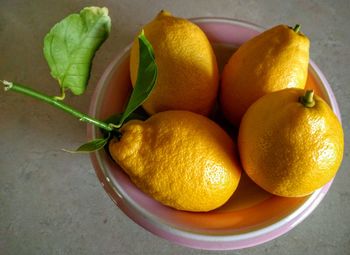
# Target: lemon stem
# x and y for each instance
(15, 87)
(297, 28)
(308, 99)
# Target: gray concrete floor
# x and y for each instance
(52, 203)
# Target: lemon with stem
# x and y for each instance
(290, 142)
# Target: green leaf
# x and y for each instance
(146, 78)
(71, 44)
(91, 146)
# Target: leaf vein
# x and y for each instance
(82, 40)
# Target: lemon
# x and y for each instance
(275, 59)
(182, 159)
(290, 147)
(187, 67)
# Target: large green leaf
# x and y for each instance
(146, 78)
(71, 44)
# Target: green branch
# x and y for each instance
(10, 86)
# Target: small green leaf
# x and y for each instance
(71, 44)
(146, 78)
(91, 146)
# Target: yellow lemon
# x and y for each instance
(187, 68)
(290, 144)
(276, 59)
(182, 159)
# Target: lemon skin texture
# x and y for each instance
(275, 59)
(182, 159)
(288, 149)
(187, 69)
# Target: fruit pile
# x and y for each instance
(290, 142)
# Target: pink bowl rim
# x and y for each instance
(194, 240)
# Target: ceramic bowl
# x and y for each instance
(252, 216)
